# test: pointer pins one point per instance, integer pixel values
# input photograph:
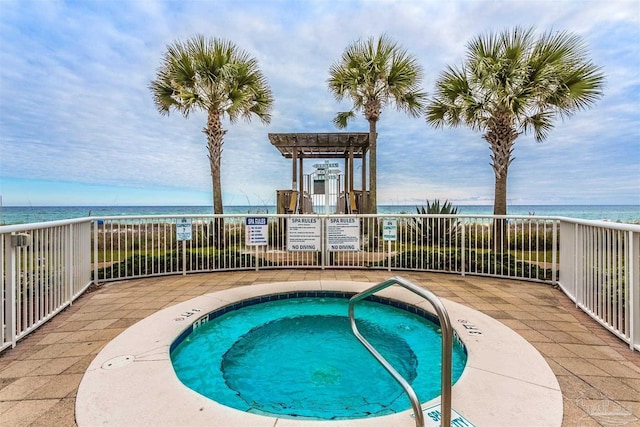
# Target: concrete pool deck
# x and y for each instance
(599, 376)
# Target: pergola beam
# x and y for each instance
(321, 145)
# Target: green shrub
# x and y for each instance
(172, 262)
(534, 237)
(428, 260)
(432, 231)
(475, 262)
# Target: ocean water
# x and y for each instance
(30, 214)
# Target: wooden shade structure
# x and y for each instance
(337, 145)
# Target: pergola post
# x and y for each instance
(294, 174)
(346, 173)
(364, 171)
(301, 176)
(351, 170)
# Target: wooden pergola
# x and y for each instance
(342, 145)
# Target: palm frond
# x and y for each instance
(519, 75)
(342, 119)
(377, 71)
(211, 74)
(540, 123)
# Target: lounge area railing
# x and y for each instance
(128, 247)
(46, 266)
(600, 272)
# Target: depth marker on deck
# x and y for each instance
(432, 418)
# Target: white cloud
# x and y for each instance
(75, 104)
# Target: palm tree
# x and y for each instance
(375, 73)
(215, 76)
(513, 83)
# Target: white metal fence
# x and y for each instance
(44, 268)
(595, 263)
(129, 247)
(600, 272)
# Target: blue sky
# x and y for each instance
(78, 125)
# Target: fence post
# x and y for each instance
(95, 225)
(69, 262)
(323, 242)
(10, 290)
(463, 255)
(257, 258)
(577, 243)
(634, 289)
(554, 253)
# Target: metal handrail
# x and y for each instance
(447, 342)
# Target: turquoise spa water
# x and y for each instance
(299, 358)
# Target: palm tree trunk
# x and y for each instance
(215, 135)
(373, 186)
(501, 137)
(371, 225)
(216, 185)
(500, 194)
(500, 208)
(215, 138)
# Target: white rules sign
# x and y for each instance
(343, 234)
(303, 234)
(256, 231)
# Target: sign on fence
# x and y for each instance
(256, 231)
(184, 230)
(390, 229)
(343, 234)
(303, 234)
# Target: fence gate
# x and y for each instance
(326, 184)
